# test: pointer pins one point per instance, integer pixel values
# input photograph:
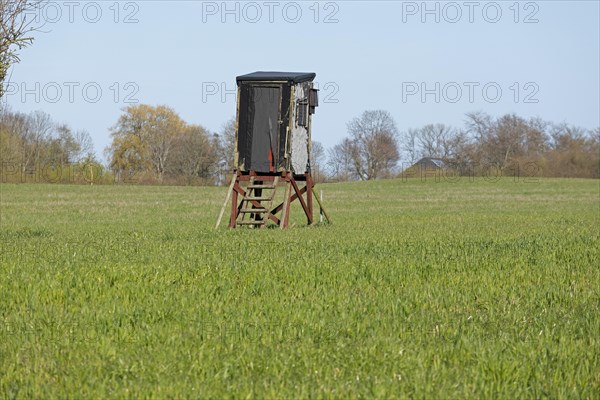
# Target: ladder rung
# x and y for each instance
(254, 210)
(261, 186)
(251, 222)
(257, 198)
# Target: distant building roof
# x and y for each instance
(430, 162)
(295, 77)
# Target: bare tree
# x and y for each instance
(480, 125)
(461, 152)
(33, 142)
(67, 148)
(34, 131)
(317, 161)
(10, 144)
(85, 144)
(511, 140)
(15, 31)
(374, 148)
(410, 146)
(536, 138)
(193, 155)
(227, 145)
(435, 140)
(573, 152)
(339, 161)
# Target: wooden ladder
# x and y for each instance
(258, 215)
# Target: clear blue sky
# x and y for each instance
(544, 56)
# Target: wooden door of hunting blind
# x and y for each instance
(263, 119)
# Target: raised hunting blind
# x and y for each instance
(272, 146)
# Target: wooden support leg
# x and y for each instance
(299, 193)
(252, 199)
(285, 214)
(322, 208)
(233, 179)
(309, 194)
(234, 206)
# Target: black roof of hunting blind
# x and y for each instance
(295, 77)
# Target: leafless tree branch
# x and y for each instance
(16, 26)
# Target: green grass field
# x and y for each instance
(466, 289)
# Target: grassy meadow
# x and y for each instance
(467, 288)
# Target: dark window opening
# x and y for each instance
(301, 112)
(313, 99)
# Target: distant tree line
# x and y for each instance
(157, 146)
(34, 148)
(153, 145)
(508, 144)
